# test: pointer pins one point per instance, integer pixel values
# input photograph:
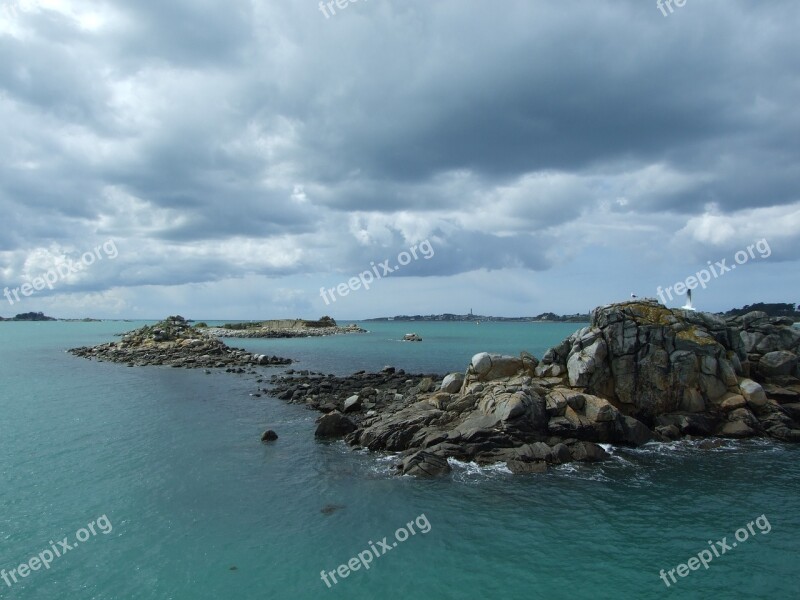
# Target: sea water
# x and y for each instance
(199, 508)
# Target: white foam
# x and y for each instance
(473, 468)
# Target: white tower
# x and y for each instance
(688, 305)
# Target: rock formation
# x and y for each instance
(640, 372)
(690, 371)
(283, 328)
(173, 342)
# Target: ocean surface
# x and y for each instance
(192, 506)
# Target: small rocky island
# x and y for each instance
(30, 316)
(173, 342)
(282, 328)
(639, 373)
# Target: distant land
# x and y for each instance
(772, 309)
(30, 316)
(544, 317)
(38, 316)
(775, 309)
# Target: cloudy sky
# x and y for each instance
(242, 154)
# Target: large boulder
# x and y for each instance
(780, 363)
(452, 383)
(352, 404)
(583, 363)
(736, 429)
(599, 410)
(510, 406)
(333, 425)
(753, 392)
(634, 432)
(589, 452)
(487, 367)
(425, 464)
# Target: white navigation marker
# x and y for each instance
(688, 305)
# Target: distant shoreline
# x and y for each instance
(450, 318)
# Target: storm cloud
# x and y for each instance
(244, 154)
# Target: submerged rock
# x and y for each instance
(329, 509)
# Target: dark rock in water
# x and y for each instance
(334, 425)
(669, 432)
(425, 464)
(711, 443)
(634, 432)
(589, 452)
(737, 429)
(269, 436)
(329, 509)
(518, 467)
(561, 454)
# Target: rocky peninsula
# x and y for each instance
(639, 373)
(282, 328)
(173, 342)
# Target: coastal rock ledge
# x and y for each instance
(173, 342)
(639, 373)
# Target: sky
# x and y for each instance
(246, 159)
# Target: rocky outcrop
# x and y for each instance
(696, 371)
(361, 394)
(638, 373)
(284, 328)
(503, 412)
(174, 343)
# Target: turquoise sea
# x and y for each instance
(172, 459)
